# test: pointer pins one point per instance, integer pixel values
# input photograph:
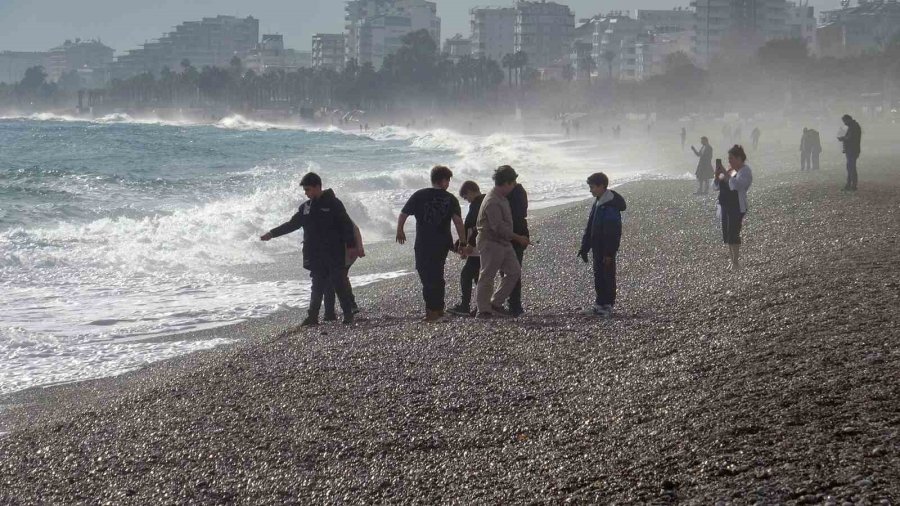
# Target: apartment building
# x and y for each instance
(736, 27)
(544, 31)
(375, 28)
(328, 51)
(493, 32)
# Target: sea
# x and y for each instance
(117, 231)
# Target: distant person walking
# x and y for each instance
(327, 238)
(602, 237)
(852, 141)
(683, 137)
(815, 148)
(754, 136)
(434, 209)
(704, 171)
(495, 237)
(471, 193)
(733, 185)
(805, 151)
(518, 206)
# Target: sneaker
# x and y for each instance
(591, 311)
(460, 310)
(500, 311)
(310, 321)
(607, 311)
(516, 312)
(355, 309)
(348, 318)
(330, 317)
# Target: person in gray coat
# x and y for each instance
(704, 171)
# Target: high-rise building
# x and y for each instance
(80, 55)
(458, 47)
(210, 42)
(493, 32)
(328, 51)
(271, 55)
(544, 32)
(869, 26)
(13, 64)
(614, 45)
(801, 24)
(666, 21)
(375, 28)
(736, 27)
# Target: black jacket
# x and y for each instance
(853, 139)
(518, 206)
(603, 233)
(327, 232)
(472, 219)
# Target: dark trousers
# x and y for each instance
(430, 266)
(732, 222)
(343, 277)
(604, 281)
(467, 279)
(815, 160)
(805, 160)
(326, 278)
(851, 171)
(515, 298)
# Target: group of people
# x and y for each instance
(492, 240)
(493, 237)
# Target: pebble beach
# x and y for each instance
(778, 383)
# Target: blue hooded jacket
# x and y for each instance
(603, 233)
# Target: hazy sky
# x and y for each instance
(37, 25)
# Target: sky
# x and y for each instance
(38, 25)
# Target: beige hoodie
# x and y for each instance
(495, 219)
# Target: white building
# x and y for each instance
(737, 27)
(328, 51)
(375, 28)
(614, 45)
(666, 21)
(270, 55)
(457, 47)
(544, 32)
(493, 32)
(801, 24)
(869, 26)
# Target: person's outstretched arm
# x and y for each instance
(695, 151)
(296, 223)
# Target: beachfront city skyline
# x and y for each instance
(126, 24)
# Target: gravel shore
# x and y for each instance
(778, 383)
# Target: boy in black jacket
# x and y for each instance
(471, 193)
(328, 234)
(602, 236)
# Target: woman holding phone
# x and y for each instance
(733, 185)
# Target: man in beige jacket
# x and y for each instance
(495, 238)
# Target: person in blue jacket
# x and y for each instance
(602, 237)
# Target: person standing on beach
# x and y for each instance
(704, 171)
(353, 254)
(733, 185)
(805, 151)
(327, 238)
(754, 136)
(495, 238)
(683, 137)
(602, 237)
(518, 205)
(471, 193)
(815, 148)
(852, 141)
(434, 209)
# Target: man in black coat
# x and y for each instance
(852, 141)
(327, 235)
(518, 205)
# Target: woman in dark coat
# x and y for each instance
(704, 166)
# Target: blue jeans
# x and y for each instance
(851, 170)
